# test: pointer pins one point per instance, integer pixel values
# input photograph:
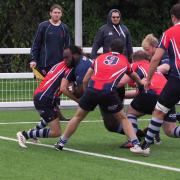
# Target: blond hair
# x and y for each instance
(149, 40)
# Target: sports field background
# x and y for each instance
(99, 156)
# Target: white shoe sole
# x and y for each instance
(35, 141)
(21, 140)
(145, 152)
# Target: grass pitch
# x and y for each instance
(38, 162)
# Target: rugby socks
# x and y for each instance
(177, 132)
(153, 129)
(62, 141)
(133, 119)
(135, 142)
(42, 133)
(42, 124)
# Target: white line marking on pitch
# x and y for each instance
(103, 156)
(9, 123)
(31, 122)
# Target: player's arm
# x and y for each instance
(130, 93)
(124, 80)
(65, 89)
(153, 65)
(87, 77)
(163, 68)
(134, 76)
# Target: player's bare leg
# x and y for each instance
(71, 127)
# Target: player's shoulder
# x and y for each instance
(123, 57)
(65, 26)
(172, 29)
(60, 65)
(107, 55)
(84, 58)
(44, 23)
(134, 64)
(102, 55)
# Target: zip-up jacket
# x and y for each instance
(109, 32)
(48, 45)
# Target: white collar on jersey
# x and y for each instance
(115, 53)
(177, 23)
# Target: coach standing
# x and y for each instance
(114, 29)
(51, 38)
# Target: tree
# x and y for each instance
(19, 20)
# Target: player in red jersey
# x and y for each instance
(45, 100)
(145, 101)
(170, 95)
(102, 79)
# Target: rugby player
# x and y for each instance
(44, 100)
(102, 79)
(170, 95)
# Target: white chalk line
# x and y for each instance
(32, 122)
(103, 156)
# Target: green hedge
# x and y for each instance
(19, 19)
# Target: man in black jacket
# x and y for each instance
(114, 29)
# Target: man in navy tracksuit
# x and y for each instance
(114, 29)
(50, 40)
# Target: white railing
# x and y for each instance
(9, 83)
(27, 50)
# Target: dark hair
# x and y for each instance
(175, 10)
(56, 6)
(75, 49)
(117, 45)
(116, 11)
(140, 55)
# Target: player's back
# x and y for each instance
(108, 70)
(158, 80)
(81, 69)
(171, 41)
(141, 68)
(51, 83)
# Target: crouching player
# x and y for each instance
(145, 101)
(104, 75)
(170, 95)
(44, 97)
(74, 82)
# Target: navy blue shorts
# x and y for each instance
(108, 101)
(46, 107)
(171, 115)
(170, 95)
(146, 102)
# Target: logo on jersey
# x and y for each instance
(111, 60)
(110, 33)
(113, 107)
